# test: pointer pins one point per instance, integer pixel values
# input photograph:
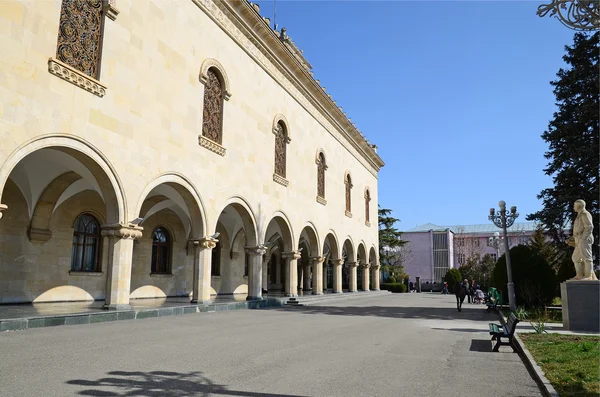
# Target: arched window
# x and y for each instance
(367, 200)
(85, 256)
(215, 265)
(161, 251)
(321, 167)
(212, 118)
(79, 41)
(348, 183)
(281, 140)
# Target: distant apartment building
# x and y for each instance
(432, 249)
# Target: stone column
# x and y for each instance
(365, 276)
(324, 279)
(291, 272)
(120, 256)
(255, 272)
(352, 287)
(375, 275)
(317, 269)
(337, 275)
(265, 273)
(306, 278)
(202, 263)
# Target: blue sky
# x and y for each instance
(455, 94)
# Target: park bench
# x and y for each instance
(504, 331)
(494, 300)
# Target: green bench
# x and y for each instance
(494, 299)
(506, 331)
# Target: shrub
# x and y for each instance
(393, 287)
(535, 281)
(391, 280)
(452, 277)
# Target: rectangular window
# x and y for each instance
(494, 257)
(461, 259)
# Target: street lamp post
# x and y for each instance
(581, 15)
(505, 219)
(495, 243)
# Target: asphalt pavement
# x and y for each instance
(396, 345)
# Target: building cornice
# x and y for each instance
(242, 22)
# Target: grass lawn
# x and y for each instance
(570, 362)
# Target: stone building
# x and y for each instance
(152, 149)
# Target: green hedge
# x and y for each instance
(393, 287)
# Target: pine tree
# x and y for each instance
(546, 249)
(573, 139)
(389, 242)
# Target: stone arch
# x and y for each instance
(213, 63)
(280, 118)
(333, 242)
(321, 152)
(285, 231)
(362, 252)
(106, 178)
(309, 233)
(244, 211)
(373, 256)
(348, 246)
(186, 196)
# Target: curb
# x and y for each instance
(534, 369)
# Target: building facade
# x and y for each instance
(152, 150)
(435, 249)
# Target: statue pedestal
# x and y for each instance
(580, 301)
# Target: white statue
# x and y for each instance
(582, 240)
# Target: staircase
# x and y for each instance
(299, 301)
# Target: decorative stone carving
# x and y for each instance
(258, 250)
(281, 141)
(321, 168)
(110, 9)
(582, 240)
(321, 200)
(120, 230)
(204, 76)
(293, 255)
(317, 259)
(340, 129)
(212, 116)
(365, 265)
(281, 180)
(80, 35)
(351, 264)
(348, 214)
(367, 201)
(205, 243)
(74, 76)
(337, 262)
(348, 186)
(211, 145)
(3, 207)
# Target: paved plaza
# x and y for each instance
(394, 345)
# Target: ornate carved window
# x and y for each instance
(212, 118)
(161, 251)
(215, 265)
(281, 140)
(367, 200)
(321, 167)
(80, 35)
(348, 183)
(85, 255)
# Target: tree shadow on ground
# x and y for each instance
(439, 313)
(160, 384)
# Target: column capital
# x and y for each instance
(122, 230)
(257, 250)
(205, 243)
(365, 265)
(291, 255)
(351, 264)
(3, 207)
(376, 266)
(337, 262)
(317, 259)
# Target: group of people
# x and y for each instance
(472, 291)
